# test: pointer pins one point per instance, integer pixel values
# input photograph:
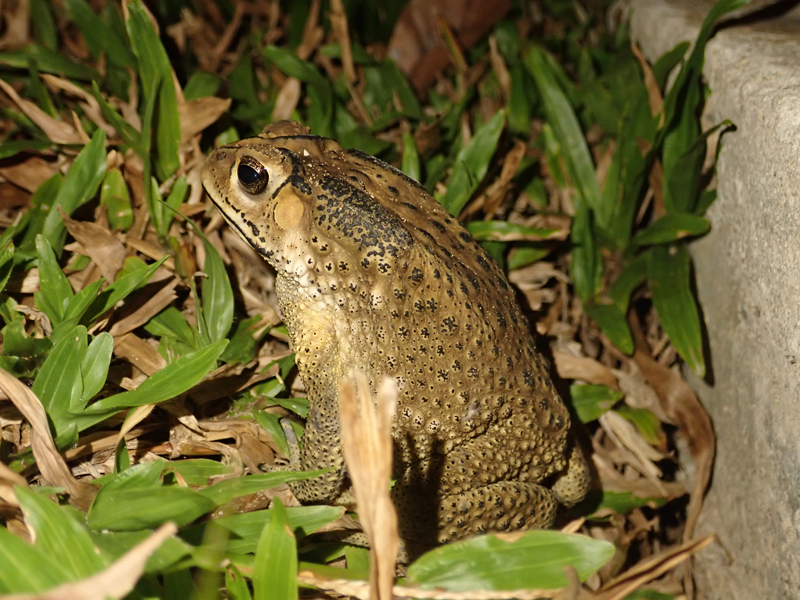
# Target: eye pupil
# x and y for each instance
(247, 174)
(252, 175)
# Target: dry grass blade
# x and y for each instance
(52, 466)
(650, 569)
(585, 369)
(681, 404)
(339, 25)
(57, 131)
(360, 590)
(116, 581)
(367, 443)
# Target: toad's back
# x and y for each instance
(374, 274)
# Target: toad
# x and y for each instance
(373, 273)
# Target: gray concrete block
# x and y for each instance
(748, 279)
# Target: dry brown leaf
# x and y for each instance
(154, 305)
(16, 30)
(57, 131)
(584, 368)
(102, 440)
(682, 406)
(139, 353)
(288, 97)
(196, 115)
(149, 250)
(51, 465)
(98, 243)
(637, 452)
(499, 68)
(8, 479)
(416, 45)
(30, 173)
(115, 581)
(496, 192)
(367, 444)
(641, 487)
(653, 91)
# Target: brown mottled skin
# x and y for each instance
(373, 273)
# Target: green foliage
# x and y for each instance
(69, 361)
(618, 100)
(534, 561)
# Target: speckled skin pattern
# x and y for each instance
(373, 273)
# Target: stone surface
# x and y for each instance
(748, 281)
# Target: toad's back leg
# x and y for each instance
(485, 484)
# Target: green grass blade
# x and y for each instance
(411, 164)
(613, 324)
(561, 117)
(275, 568)
(81, 302)
(472, 163)
(534, 561)
(170, 322)
(646, 422)
(119, 290)
(671, 228)
(55, 292)
(59, 385)
(632, 276)
(44, 25)
(99, 38)
(6, 263)
(174, 379)
(586, 266)
(25, 568)
(94, 366)
(227, 490)
(80, 184)
(155, 68)
(245, 530)
(59, 534)
(236, 585)
(591, 401)
(135, 509)
(669, 272)
(503, 231)
(682, 185)
(217, 295)
(48, 61)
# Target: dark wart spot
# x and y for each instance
(394, 190)
(357, 216)
(449, 324)
(416, 275)
(438, 225)
(411, 206)
(527, 377)
(465, 235)
(484, 263)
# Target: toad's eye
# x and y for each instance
(253, 176)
